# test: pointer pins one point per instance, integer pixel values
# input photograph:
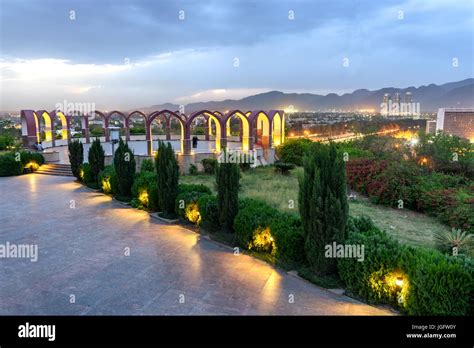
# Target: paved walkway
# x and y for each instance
(170, 270)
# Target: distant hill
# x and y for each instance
(431, 97)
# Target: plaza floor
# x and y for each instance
(97, 256)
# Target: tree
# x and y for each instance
(124, 163)
(96, 159)
(227, 179)
(76, 157)
(323, 204)
(168, 178)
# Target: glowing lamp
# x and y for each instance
(399, 282)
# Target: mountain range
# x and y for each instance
(431, 97)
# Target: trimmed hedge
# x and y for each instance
(10, 166)
(207, 205)
(262, 228)
(209, 165)
(187, 202)
(434, 284)
(108, 180)
(27, 157)
(87, 175)
(287, 231)
(147, 166)
(439, 284)
(293, 150)
(146, 181)
(283, 168)
(252, 216)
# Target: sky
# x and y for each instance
(125, 54)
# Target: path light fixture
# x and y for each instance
(399, 282)
(114, 137)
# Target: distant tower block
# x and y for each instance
(431, 127)
(456, 121)
(408, 97)
(397, 98)
(386, 98)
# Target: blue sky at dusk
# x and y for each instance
(125, 54)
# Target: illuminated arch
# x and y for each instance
(260, 122)
(212, 117)
(245, 129)
(170, 114)
(48, 130)
(276, 129)
(57, 114)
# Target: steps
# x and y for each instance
(55, 169)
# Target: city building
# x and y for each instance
(397, 98)
(408, 97)
(431, 127)
(456, 121)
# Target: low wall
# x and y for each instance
(50, 156)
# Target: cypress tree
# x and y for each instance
(227, 179)
(96, 159)
(124, 163)
(168, 178)
(76, 157)
(323, 204)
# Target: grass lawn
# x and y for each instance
(282, 193)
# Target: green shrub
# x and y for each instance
(124, 163)
(6, 141)
(147, 166)
(433, 284)
(293, 150)
(359, 224)
(283, 168)
(168, 178)
(207, 205)
(96, 159)
(76, 157)
(145, 190)
(287, 232)
(227, 180)
(108, 180)
(210, 165)
(87, 175)
(187, 207)
(367, 279)
(31, 157)
(253, 217)
(9, 165)
(438, 285)
(192, 169)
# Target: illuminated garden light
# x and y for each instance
(143, 197)
(399, 282)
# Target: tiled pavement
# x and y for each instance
(82, 253)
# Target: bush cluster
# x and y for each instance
(145, 191)
(9, 165)
(433, 284)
